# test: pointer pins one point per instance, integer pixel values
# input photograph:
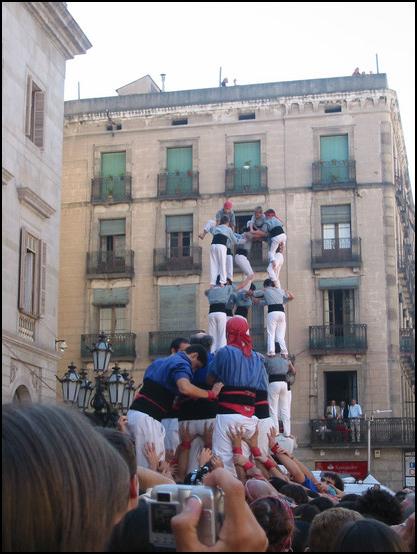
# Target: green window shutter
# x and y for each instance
(113, 164)
(177, 307)
(335, 214)
(111, 297)
(247, 152)
(112, 227)
(179, 223)
(179, 159)
(346, 283)
(334, 148)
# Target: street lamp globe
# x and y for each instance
(70, 384)
(101, 354)
(86, 389)
(128, 392)
(116, 384)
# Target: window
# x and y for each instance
(340, 385)
(334, 157)
(179, 230)
(113, 173)
(113, 319)
(177, 307)
(180, 170)
(333, 109)
(339, 307)
(246, 116)
(179, 121)
(113, 236)
(247, 171)
(336, 227)
(35, 113)
(32, 275)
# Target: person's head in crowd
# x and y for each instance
(197, 355)
(64, 485)
(277, 520)
(203, 339)
(227, 207)
(351, 496)
(278, 483)
(270, 213)
(325, 527)
(257, 488)
(225, 220)
(332, 478)
(179, 345)
(297, 492)
(348, 504)
(268, 283)
(237, 335)
(381, 505)
(126, 448)
(368, 535)
(305, 512)
(322, 503)
(300, 536)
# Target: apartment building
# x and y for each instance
(38, 38)
(143, 172)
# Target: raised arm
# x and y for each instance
(188, 389)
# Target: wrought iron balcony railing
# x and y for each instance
(160, 341)
(335, 173)
(110, 264)
(336, 253)
(178, 184)
(177, 261)
(407, 341)
(123, 345)
(328, 339)
(111, 189)
(392, 432)
(251, 180)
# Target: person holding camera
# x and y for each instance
(161, 384)
(240, 369)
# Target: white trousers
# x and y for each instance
(196, 427)
(222, 445)
(244, 264)
(229, 266)
(275, 242)
(217, 329)
(279, 401)
(172, 434)
(274, 273)
(218, 263)
(264, 426)
(145, 428)
(276, 326)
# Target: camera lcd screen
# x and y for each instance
(161, 515)
(164, 497)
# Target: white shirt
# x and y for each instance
(355, 411)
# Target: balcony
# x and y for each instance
(338, 339)
(178, 185)
(250, 180)
(110, 264)
(341, 252)
(389, 432)
(173, 262)
(160, 341)
(334, 174)
(111, 190)
(123, 345)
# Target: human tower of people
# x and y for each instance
(216, 379)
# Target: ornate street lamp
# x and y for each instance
(128, 392)
(116, 384)
(70, 384)
(86, 389)
(101, 354)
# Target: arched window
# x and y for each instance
(22, 395)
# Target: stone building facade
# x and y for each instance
(142, 173)
(38, 38)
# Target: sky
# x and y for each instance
(252, 42)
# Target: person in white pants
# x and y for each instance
(274, 231)
(275, 299)
(238, 367)
(279, 397)
(274, 266)
(218, 250)
(242, 255)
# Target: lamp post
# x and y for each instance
(371, 418)
(78, 390)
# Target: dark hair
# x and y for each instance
(351, 497)
(176, 343)
(124, 446)
(224, 219)
(252, 286)
(377, 537)
(297, 492)
(278, 483)
(348, 504)
(200, 350)
(300, 537)
(381, 505)
(306, 512)
(63, 484)
(204, 339)
(338, 483)
(276, 520)
(322, 503)
(269, 283)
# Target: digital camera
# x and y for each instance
(168, 500)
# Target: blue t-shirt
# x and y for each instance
(200, 376)
(308, 483)
(167, 371)
(234, 369)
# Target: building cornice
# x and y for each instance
(60, 26)
(35, 202)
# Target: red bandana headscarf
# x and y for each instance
(236, 334)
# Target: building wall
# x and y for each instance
(31, 182)
(289, 128)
